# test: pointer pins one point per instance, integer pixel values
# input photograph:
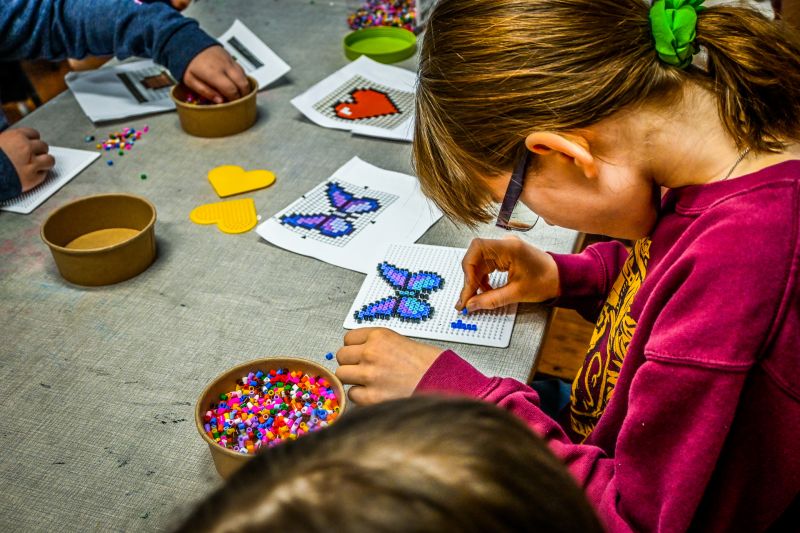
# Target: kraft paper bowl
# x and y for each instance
(228, 461)
(102, 239)
(215, 120)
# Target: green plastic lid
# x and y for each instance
(385, 44)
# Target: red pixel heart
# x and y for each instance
(365, 103)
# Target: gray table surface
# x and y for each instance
(98, 385)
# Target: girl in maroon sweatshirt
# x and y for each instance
(686, 413)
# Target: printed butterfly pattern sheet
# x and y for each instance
(412, 289)
(366, 98)
(344, 219)
(344, 216)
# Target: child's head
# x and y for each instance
(417, 464)
(492, 72)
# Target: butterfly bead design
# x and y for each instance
(409, 303)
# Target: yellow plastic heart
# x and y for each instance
(231, 216)
(228, 180)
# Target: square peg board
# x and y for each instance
(413, 290)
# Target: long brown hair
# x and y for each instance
(419, 464)
(493, 71)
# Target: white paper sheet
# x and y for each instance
(122, 91)
(365, 97)
(69, 163)
(372, 206)
(255, 57)
(412, 289)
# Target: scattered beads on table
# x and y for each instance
(458, 324)
(110, 163)
(143, 176)
(269, 407)
(89, 138)
(120, 141)
(400, 13)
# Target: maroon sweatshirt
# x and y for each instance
(686, 413)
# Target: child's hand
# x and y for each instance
(28, 154)
(532, 274)
(382, 365)
(215, 75)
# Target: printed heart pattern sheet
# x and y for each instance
(359, 101)
(365, 97)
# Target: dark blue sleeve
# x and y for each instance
(56, 29)
(10, 187)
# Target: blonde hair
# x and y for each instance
(493, 71)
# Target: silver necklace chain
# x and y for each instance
(736, 164)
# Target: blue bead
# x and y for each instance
(329, 356)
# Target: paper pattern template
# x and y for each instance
(255, 57)
(69, 163)
(333, 214)
(365, 97)
(412, 289)
(358, 101)
(347, 217)
(121, 91)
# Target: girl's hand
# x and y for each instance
(214, 74)
(29, 155)
(382, 365)
(532, 274)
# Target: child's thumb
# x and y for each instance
(491, 299)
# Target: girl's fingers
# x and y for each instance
(44, 162)
(349, 355)
(351, 374)
(357, 336)
(224, 85)
(492, 299)
(30, 133)
(239, 78)
(359, 395)
(202, 88)
(39, 147)
(468, 291)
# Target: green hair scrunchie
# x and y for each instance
(674, 23)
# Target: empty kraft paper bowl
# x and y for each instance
(102, 239)
(215, 120)
(227, 461)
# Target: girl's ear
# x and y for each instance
(572, 147)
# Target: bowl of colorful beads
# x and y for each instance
(262, 403)
(204, 118)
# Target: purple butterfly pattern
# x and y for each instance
(409, 303)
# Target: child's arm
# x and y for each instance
(56, 29)
(585, 279)
(666, 451)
